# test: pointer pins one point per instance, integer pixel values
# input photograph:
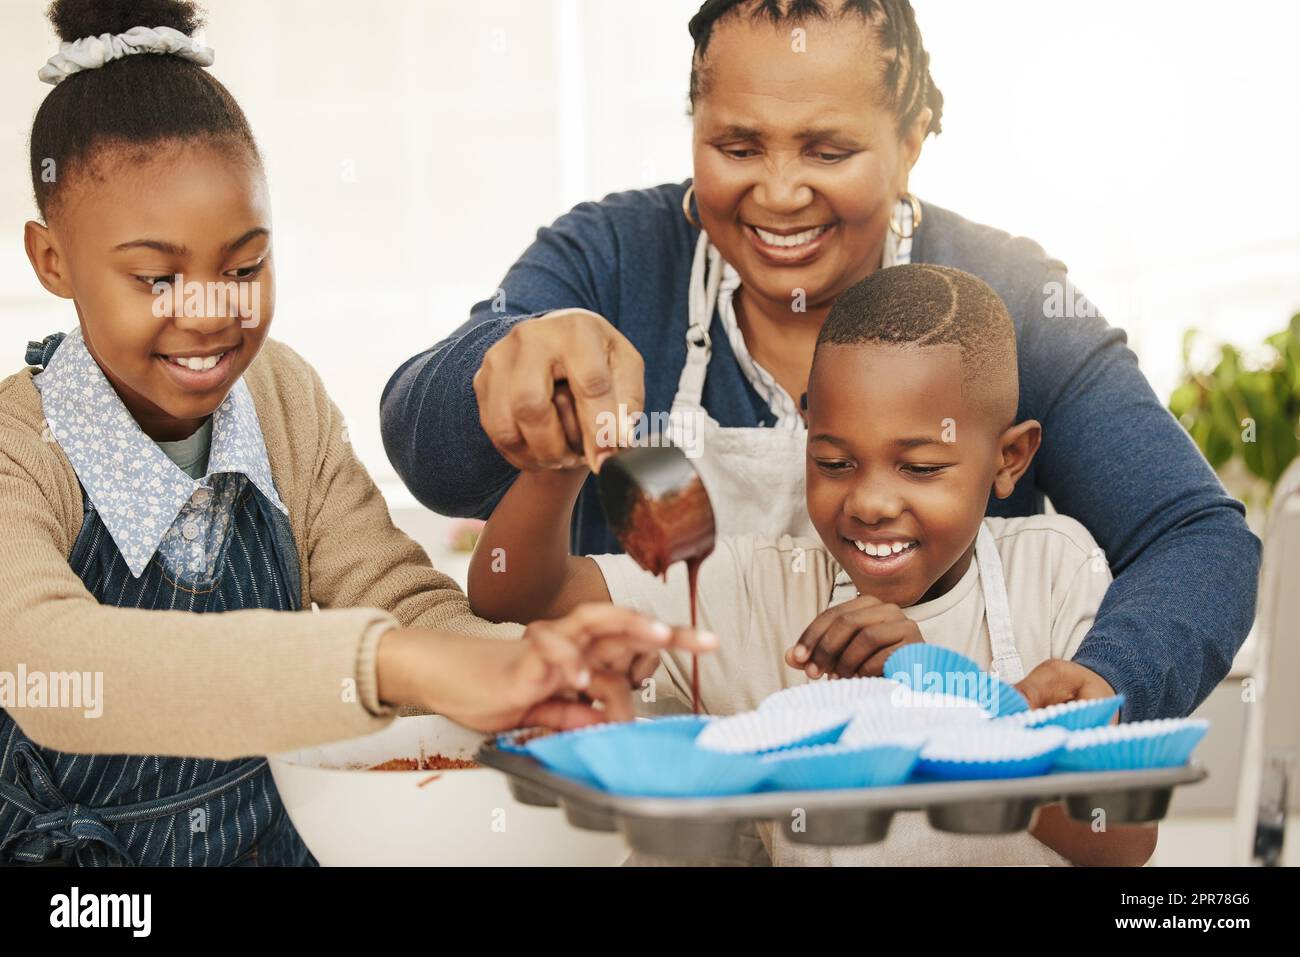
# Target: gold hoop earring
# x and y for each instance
(686, 208)
(896, 228)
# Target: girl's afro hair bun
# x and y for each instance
(74, 19)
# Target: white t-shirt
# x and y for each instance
(758, 594)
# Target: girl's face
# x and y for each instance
(199, 212)
(798, 162)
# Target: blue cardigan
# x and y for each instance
(1185, 563)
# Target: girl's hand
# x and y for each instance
(852, 639)
(554, 676)
(599, 647)
(517, 383)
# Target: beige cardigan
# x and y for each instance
(217, 685)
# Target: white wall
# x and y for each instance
(414, 152)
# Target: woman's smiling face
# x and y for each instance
(798, 157)
(197, 210)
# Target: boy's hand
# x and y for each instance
(852, 639)
(1056, 681)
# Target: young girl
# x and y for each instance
(169, 463)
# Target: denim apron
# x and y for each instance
(102, 810)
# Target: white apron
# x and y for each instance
(910, 840)
(754, 476)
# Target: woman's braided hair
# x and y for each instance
(907, 79)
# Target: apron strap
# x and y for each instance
(687, 412)
(40, 352)
(997, 609)
(706, 278)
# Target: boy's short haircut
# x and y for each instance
(923, 304)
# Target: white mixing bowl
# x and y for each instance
(349, 816)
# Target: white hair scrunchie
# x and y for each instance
(90, 53)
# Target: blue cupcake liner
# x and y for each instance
(1071, 715)
(991, 752)
(835, 766)
(509, 740)
(918, 664)
(758, 732)
(685, 725)
(558, 753)
(1164, 743)
(666, 765)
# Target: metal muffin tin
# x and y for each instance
(707, 829)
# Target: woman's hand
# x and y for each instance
(852, 639)
(517, 383)
(1056, 681)
(554, 676)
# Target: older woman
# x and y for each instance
(706, 298)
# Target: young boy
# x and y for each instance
(911, 417)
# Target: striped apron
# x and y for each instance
(98, 810)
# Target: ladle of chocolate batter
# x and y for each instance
(657, 506)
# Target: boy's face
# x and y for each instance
(899, 463)
(197, 211)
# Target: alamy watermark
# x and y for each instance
(74, 909)
(192, 299)
(53, 689)
(917, 686)
(683, 429)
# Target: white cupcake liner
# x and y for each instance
(992, 743)
(756, 732)
(910, 711)
(1071, 715)
(990, 752)
(1166, 742)
(1131, 731)
(888, 762)
(839, 695)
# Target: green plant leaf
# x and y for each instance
(1211, 406)
(1185, 400)
(1223, 415)
(1229, 366)
(1291, 365)
(1218, 448)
